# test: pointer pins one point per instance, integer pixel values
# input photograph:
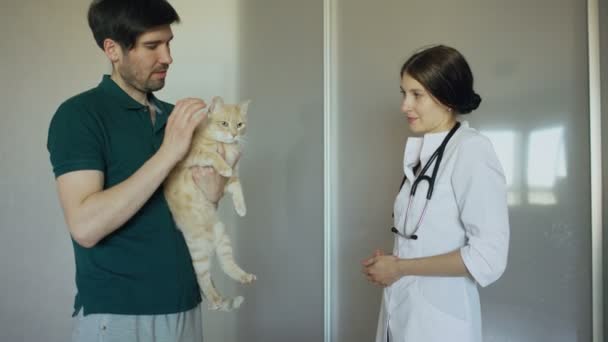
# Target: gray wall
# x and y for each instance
(267, 51)
(47, 55)
(530, 64)
(281, 60)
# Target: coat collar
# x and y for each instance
(420, 149)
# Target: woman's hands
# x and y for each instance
(382, 269)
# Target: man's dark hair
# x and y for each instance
(445, 73)
(125, 20)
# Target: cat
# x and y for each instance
(193, 196)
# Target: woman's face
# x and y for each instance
(424, 113)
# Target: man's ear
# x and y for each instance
(112, 50)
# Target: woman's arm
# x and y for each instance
(384, 270)
(481, 195)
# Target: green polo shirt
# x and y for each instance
(144, 267)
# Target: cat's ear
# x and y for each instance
(243, 106)
(218, 101)
(216, 104)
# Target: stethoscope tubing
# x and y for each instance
(438, 154)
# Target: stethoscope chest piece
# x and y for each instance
(411, 237)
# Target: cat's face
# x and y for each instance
(225, 122)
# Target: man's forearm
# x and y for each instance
(103, 212)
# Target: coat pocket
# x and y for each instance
(446, 294)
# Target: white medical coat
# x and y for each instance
(467, 212)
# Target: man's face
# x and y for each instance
(144, 67)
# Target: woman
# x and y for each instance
(446, 245)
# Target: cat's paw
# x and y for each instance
(240, 208)
(231, 304)
(248, 278)
(227, 172)
(214, 306)
(237, 301)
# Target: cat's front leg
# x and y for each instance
(236, 190)
(213, 159)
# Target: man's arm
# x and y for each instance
(92, 213)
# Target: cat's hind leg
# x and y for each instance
(226, 257)
(201, 251)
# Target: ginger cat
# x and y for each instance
(193, 197)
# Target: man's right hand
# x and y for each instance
(186, 116)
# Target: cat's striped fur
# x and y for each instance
(193, 198)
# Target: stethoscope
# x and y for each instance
(436, 156)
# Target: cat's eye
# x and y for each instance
(239, 125)
(224, 123)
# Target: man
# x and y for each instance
(111, 147)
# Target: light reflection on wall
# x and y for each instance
(545, 163)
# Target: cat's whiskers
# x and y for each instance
(242, 140)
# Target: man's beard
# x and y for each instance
(154, 85)
(146, 86)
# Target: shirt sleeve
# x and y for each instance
(75, 140)
(480, 190)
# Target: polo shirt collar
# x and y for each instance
(123, 99)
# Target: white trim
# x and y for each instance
(328, 161)
(595, 122)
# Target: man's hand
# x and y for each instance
(209, 180)
(186, 116)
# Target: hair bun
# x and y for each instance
(473, 103)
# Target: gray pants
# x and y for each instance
(179, 327)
